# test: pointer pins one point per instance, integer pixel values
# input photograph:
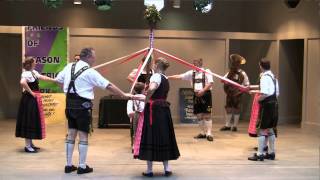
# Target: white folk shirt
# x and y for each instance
(85, 82)
(28, 75)
(267, 84)
(156, 78)
(135, 105)
(198, 75)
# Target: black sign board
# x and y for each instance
(186, 106)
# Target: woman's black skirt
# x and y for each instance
(28, 119)
(158, 141)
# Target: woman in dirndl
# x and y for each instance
(30, 119)
(158, 141)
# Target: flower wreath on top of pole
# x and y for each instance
(152, 16)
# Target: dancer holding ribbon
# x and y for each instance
(268, 113)
(78, 81)
(202, 100)
(30, 120)
(158, 141)
(135, 109)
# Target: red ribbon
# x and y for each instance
(137, 74)
(133, 56)
(225, 80)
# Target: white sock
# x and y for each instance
(69, 151)
(236, 120)
(261, 141)
(228, 120)
(166, 166)
(208, 127)
(149, 167)
(83, 149)
(271, 143)
(28, 143)
(266, 142)
(202, 127)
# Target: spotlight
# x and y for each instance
(203, 6)
(176, 3)
(77, 2)
(158, 3)
(103, 5)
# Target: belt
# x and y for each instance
(77, 102)
(151, 101)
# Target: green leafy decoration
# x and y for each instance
(152, 15)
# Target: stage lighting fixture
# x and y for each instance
(158, 3)
(176, 3)
(103, 5)
(292, 3)
(77, 2)
(203, 6)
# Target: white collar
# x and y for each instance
(199, 71)
(83, 63)
(267, 72)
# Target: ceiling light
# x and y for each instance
(158, 3)
(176, 3)
(77, 2)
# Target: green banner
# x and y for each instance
(49, 46)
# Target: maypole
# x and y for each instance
(152, 16)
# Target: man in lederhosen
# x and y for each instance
(202, 100)
(233, 99)
(268, 117)
(78, 82)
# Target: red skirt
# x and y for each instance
(41, 115)
(252, 130)
(137, 139)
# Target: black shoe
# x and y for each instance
(225, 128)
(35, 147)
(270, 156)
(167, 173)
(210, 138)
(255, 157)
(28, 151)
(85, 170)
(200, 136)
(147, 174)
(234, 129)
(69, 169)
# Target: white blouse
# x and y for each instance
(29, 76)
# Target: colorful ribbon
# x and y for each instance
(147, 59)
(127, 58)
(225, 80)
